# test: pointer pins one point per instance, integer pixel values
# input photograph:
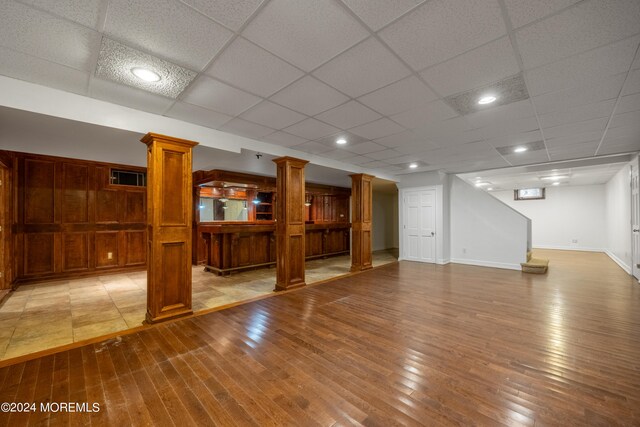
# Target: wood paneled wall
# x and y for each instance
(70, 221)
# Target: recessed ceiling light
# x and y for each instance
(554, 177)
(556, 183)
(413, 165)
(341, 141)
(145, 74)
(480, 184)
(487, 99)
(520, 149)
(490, 188)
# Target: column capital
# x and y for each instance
(151, 137)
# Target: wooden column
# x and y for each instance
(169, 216)
(290, 226)
(361, 214)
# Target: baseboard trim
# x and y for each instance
(480, 263)
(569, 248)
(444, 261)
(618, 261)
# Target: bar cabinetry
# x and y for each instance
(234, 247)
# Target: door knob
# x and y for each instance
(433, 234)
(635, 230)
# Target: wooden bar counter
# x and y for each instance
(234, 247)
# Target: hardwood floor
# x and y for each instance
(404, 344)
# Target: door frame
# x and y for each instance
(439, 253)
(634, 167)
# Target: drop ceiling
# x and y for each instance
(381, 74)
(596, 171)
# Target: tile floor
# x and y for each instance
(50, 314)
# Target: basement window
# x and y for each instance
(130, 178)
(529, 194)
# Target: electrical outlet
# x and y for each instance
(464, 250)
(109, 255)
(574, 241)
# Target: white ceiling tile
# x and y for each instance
(378, 13)
(378, 129)
(128, 96)
(309, 96)
(306, 33)
(515, 139)
(441, 29)
(166, 28)
(398, 139)
(632, 85)
(44, 36)
(351, 139)
(501, 115)
(374, 164)
(252, 68)
(232, 13)
(312, 147)
(528, 157)
(244, 128)
(338, 154)
(593, 65)
(35, 70)
(598, 90)
(511, 127)
(446, 128)
(631, 118)
(628, 103)
(407, 94)
(348, 115)
(311, 129)
(587, 25)
(586, 149)
(363, 68)
(198, 115)
(284, 139)
(574, 138)
(481, 66)
(384, 154)
(433, 112)
(212, 94)
(522, 12)
(577, 114)
(416, 147)
(573, 128)
(84, 12)
(365, 148)
(272, 115)
(623, 145)
(357, 160)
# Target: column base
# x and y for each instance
(357, 268)
(149, 319)
(280, 287)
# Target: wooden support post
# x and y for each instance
(169, 216)
(290, 225)
(361, 214)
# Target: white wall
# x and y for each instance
(618, 218)
(385, 220)
(485, 231)
(571, 217)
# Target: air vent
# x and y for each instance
(130, 178)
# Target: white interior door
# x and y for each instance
(419, 231)
(635, 222)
